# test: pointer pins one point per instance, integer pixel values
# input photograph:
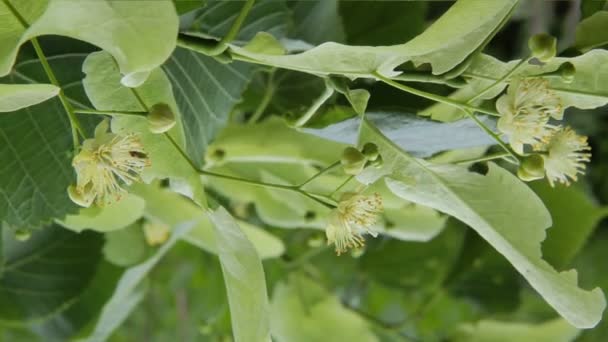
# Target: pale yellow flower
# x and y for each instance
(565, 153)
(525, 112)
(354, 216)
(103, 164)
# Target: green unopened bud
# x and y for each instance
(160, 118)
(531, 168)
(22, 234)
(353, 161)
(567, 71)
(377, 163)
(543, 47)
(370, 151)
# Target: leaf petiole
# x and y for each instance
(74, 123)
(109, 112)
(435, 97)
(314, 197)
(494, 156)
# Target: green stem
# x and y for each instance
(467, 108)
(500, 155)
(74, 123)
(435, 97)
(109, 112)
(246, 181)
(491, 133)
(341, 186)
(270, 88)
(319, 174)
(236, 26)
(268, 185)
(500, 80)
(315, 107)
(306, 257)
(222, 45)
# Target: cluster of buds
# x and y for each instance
(355, 214)
(354, 160)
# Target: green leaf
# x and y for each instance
(317, 22)
(480, 64)
(500, 331)
(500, 208)
(35, 148)
(205, 109)
(419, 136)
(185, 6)
(592, 32)
(125, 247)
(270, 16)
(415, 265)
(588, 90)
(172, 209)
(244, 277)
(271, 140)
(11, 29)
(303, 311)
(16, 96)
(129, 290)
(46, 274)
(115, 216)
(444, 45)
(589, 7)
(575, 216)
(139, 37)
(382, 22)
(102, 84)
(594, 272)
(76, 318)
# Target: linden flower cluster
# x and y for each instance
(354, 216)
(526, 110)
(103, 164)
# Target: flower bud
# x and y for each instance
(567, 72)
(531, 168)
(160, 118)
(370, 151)
(22, 234)
(543, 47)
(377, 163)
(353, 161)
